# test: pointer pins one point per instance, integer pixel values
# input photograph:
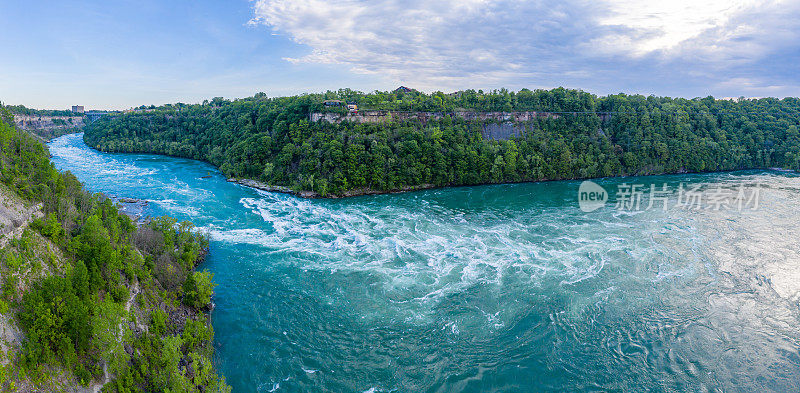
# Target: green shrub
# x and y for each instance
(197, 289)
(158, 321)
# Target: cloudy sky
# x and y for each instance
(123, 53)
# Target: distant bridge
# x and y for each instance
(92, 116)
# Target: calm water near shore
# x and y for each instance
(490, 288)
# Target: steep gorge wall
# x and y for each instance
(383, 116)
(497, 125)
(48, 125)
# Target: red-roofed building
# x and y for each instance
(403, 89)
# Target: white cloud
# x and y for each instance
(428, 44)
(457, 43)
(716, 31)
(663, 25)
(754, 87)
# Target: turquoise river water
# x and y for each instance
(507, 288)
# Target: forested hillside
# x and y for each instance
(98, 300)
(22, 110)
(271, 140)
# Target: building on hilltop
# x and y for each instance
(77, 109)
(403, 90)
(333, 103)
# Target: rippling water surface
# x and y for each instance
(489, 288)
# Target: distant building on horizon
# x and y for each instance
(403, 89)
(77, 109)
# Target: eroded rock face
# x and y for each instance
(10, 335)
(15, 216)
(498, 125)
(27, 122)
(503, 131)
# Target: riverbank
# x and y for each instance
(312, 194)
(646, 171)
(365, 191)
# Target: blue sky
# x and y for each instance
(119, 54)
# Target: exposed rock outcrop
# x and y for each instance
(497, 125)
(15, 216)
(313, 194)
(49, 127)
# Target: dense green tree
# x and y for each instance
(197, 289)
(79, 317)
(577, 135)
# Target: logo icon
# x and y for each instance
(591, 196)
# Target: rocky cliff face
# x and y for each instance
(15, 215)
(49, 126)
(497, 125)
(383, 116)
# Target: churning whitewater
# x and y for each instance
(488, 288)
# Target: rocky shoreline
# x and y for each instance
(313, 194)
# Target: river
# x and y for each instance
(502, 288)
